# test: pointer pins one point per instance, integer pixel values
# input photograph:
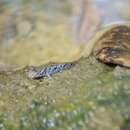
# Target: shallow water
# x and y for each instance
(91, 95)
(33, 33)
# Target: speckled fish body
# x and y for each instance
(48, 70)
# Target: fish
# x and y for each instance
(48, 70)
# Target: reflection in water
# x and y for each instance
(111, 10)
(96, 13)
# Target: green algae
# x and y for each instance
(90, 96)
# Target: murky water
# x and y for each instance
(91, 95)
(35, 32)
